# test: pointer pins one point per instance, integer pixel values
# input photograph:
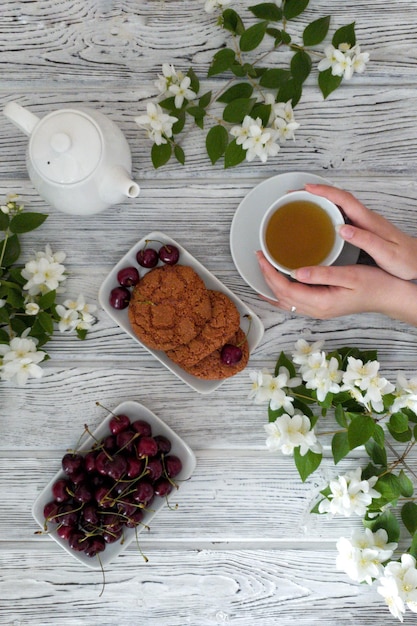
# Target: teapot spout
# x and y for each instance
(21, 117)
(118, 184)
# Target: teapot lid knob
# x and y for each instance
(61, 142)
(66, 146)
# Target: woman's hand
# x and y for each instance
(392, 250)
(326, 292)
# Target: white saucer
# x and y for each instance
(244, 231)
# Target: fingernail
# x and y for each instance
(345, 231)
(303, 273)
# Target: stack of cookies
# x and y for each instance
(172, 310)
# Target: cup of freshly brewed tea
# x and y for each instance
(300, 229)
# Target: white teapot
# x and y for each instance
(78, 159)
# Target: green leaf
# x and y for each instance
(222, 61)
(315, 32)
(291, 90)
(276, 34)
(328, 83)
(179, 154)
(340, 446)
(300, 66)
(406, 485)
(25, 222)
(413, 547)
(345, 34)
(4, 221)
(234, 154)
(216, 142)
(235, 111)
(263, 111)
(253, 36)
(284, 361)
(4, 336)
(205, 100)
(267, 11)
(293, 8)
(306, 464)
(195, 83)
(178, 126)
(160, 155)
(377, 454)
(197, 113)
(169, 104)
(239, 90)
(47, 300)
(274, 78)
(379, 436)
(403, 437)
(11, 250)
(232, 22)
(340, 417)
(398, 422)
(14, 297)
(46, 321)
(285, 37)
(238, 70)
(81, 333)
(360, 430)
(389, 487)
(388, 522)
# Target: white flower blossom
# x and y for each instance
(349, 495)
(289, 432)
(362, 556)
(2, 302)
(398, 585)
(182, 91)
(157, 123)
(344, 61)
(19, 359)
(365, 377)
(406, 392)
(75, 315)
(44, 272)
(256, 140)
(324, 376)
(169, 76)
(211, 5)
(268, 388)
(282, 118)
(303, 350)
(32, 308)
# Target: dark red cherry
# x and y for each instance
(230, 354)
(128, 276)
(173, 465)
(147, 257)
(169, 254)
(118, 423)
(119, 298)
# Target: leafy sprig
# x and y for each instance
(29, 310)
(250, 79)
(343, 392)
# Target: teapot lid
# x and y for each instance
(66, 146)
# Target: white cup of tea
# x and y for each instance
(300, 229)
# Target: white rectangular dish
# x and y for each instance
(121, 316)
(179, 448)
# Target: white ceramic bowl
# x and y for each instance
(179, 448)
(297, 196)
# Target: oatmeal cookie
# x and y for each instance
(223, 323)
(169, 307)
(212, 367)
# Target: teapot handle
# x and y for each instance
(21, 117)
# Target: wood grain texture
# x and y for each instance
(241, 548)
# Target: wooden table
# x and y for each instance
(241, 548)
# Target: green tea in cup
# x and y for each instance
(299, 230)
